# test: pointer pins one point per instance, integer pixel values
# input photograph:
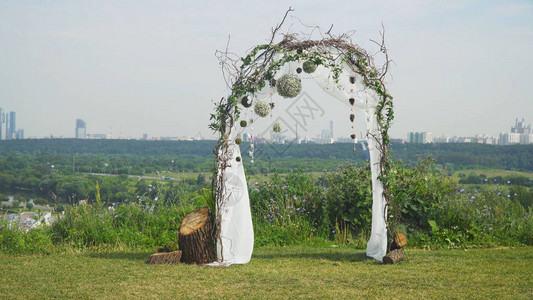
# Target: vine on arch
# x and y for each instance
(247, 75)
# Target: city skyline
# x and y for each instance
(460, 67)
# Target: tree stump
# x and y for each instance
(195, 238)
(394, 256)
(400, 241)
(159, 258)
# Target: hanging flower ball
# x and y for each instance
(246, 101)
(244, 123)
(298, 70)
(262, 108)
(309, 67)
(289, 86)
(238, 158)
(238, 141)
(276, 127)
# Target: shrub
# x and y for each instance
(15, 240)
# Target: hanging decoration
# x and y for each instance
(277, 127)
(262, 108)
(246, 101)
(309, 67)
(289, 86)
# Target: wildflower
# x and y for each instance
(508, 181)
(473, 197)
(294, 197)
(462, 190)
(156, 198)
(515, 194)
(283, 187)
(333, 231)
(115, 216)
(2, 228)
(490, 228)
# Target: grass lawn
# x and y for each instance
(491, 173)
(287, 272)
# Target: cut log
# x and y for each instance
(170, 258)
(394, 256)
(195, 238)
(400, 241)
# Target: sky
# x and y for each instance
(134, 67)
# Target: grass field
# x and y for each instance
(491, 173)
(288, 272)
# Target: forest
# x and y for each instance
(64, 171)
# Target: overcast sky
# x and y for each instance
(461, 67)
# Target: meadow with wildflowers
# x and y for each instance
(301, 209)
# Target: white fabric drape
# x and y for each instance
(377, 244)
(236, 242)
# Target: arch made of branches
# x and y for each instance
(342, 69)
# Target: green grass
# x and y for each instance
(287, 273)
(491, 173)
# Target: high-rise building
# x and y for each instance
(81, 129)
(11, 126)
(419, 137)
(20, 134)
(520, 134)
(2, 121)
(331, 129)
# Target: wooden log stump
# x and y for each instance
(170, 258)
(195, 238)
(400, 241)
(394, 256)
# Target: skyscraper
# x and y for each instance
(11, 126)
(2, 121)
(81, 130)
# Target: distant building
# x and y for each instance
(11, 125)
(520, 134)
(419, 137)
(2, 121)
(97, 136)
(81, 129)
(397, 141)
(20, 134)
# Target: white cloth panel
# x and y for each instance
(377, 244)
(236, 228)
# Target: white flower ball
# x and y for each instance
(289, 86)
(262, 108)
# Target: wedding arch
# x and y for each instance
(343, 70)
